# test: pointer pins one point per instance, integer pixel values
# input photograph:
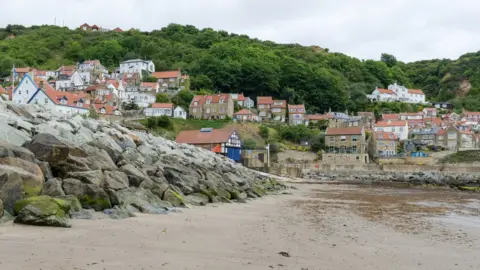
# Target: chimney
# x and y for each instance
(41, 85)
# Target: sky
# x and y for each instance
(409, 29)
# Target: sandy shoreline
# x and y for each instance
(317, 231)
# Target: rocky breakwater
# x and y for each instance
(52, 169)
(455, 180)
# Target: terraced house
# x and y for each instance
(296, 114)
(264, 107)
(345, 146)
(219, 106)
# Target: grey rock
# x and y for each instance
(132, 156)
(89, 177)
(43, 213)
(90, 124)
(12, 135)
(125, 142)
(135, 176)
(10, 150)
(107, 143)
(197, 199)
(47, 147)
(88, 214)
(142, 199)
(1, 208)
(90, 196)
(116, 180)
(46, 170)
(118, 213)
(30, 174)
(11, 189)
(53, 187)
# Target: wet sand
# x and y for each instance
(319, 226)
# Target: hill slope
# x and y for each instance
(228, 62)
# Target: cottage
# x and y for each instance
(171, 80)
(296, 114)
(264, 106)
(245, 115)
(107, 110)
(137, 66)
(315, 118)
(70, 82)
(179, 112)
(430, 112)
(448, 138)
(384, 144)
(367, 119)
(160, 109)
(226, 141)
(345, 146)
(242, 101)
(279, 110)
(397, 92)
(424, 136)
(398, 127)
(219, 106)
(85, 27)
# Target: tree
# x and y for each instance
(264, 132)
(149, 79)
(183, 99)
(130, 106)
(162, 98)
(388, 59)
(249, 144)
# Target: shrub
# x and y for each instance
(264, 132)
(249, 144)
(164, 122)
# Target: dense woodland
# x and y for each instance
(227, 62)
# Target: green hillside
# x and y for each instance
(228, 62)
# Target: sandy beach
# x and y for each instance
(318, 227)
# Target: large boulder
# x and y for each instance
(32, 180)
(12, 135)
(43, 212)
(53, 187)
(135, 176)
(125, 141)
(90, 124)
(47, 147)
(10, 150)
(11, 189)
(115, 180)
(149, 154)
(90, 196)
(72, 201)
(89, 177)
(107, 143)
(197, 199)
(174, 198)
(143, 200)
(99, 159)
(132, 156)
(46, 170)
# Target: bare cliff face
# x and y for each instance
(110, 168)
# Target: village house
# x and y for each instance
(471, 117)
(137, 66)
(296, 114)
(242, 101)
(448, 138)
(429, 112)
(92, 71)
(367, 119)
(313, 119)
(38, 91)
(338, 119)
(160, 109)
(398, 127)
(103, 109)
(217, 106)
(345, 146)
(424, 135)
(443, 105)
(171, 81)
(411, 116)
(179, 112)
(225, 141)
(264, 106)
(279, 110)
(70, 82)
(149, 87)
(245, 115)
(399, 93)
(383, 144)
(85, 27)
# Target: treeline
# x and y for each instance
(227, 62)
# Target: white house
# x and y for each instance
(160, 109)
(242, 101)
(137, 65)
(397, 92)
(246, 115)
(179, 112)
(70, 82)
(141, 98)
(398, 127)
(38, 91)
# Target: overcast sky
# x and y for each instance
(409, 29)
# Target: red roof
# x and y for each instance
(213, 99)
(198, 137)
(390, 116)
(386, 91)
(162, 105)
(118, 30)
(467, 114)
(166, 74)
(264, 100)
(109, 110)
(241, 97)
(66, 69)
(85, 24)
(24, 70)
(415, 91)
(149, 84)
(430, 109)
(95, 27)
(244, 112)
(344, 131)
(317, 117)
(385, 136)
(297, 108)
(390, 123)
(279, 104)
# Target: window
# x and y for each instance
(46, 100)
(27, 92)
(221, 101)
(222, 109)
(261, 106)
(208, 101)
(332, 149)
(354, 138)
(332, 139)
(194, 110)
(208, 110)
(343, 138)
(19, 92)
(354, 149)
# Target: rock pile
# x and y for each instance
(416, 178)
(50, 166)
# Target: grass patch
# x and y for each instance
(469, 156)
